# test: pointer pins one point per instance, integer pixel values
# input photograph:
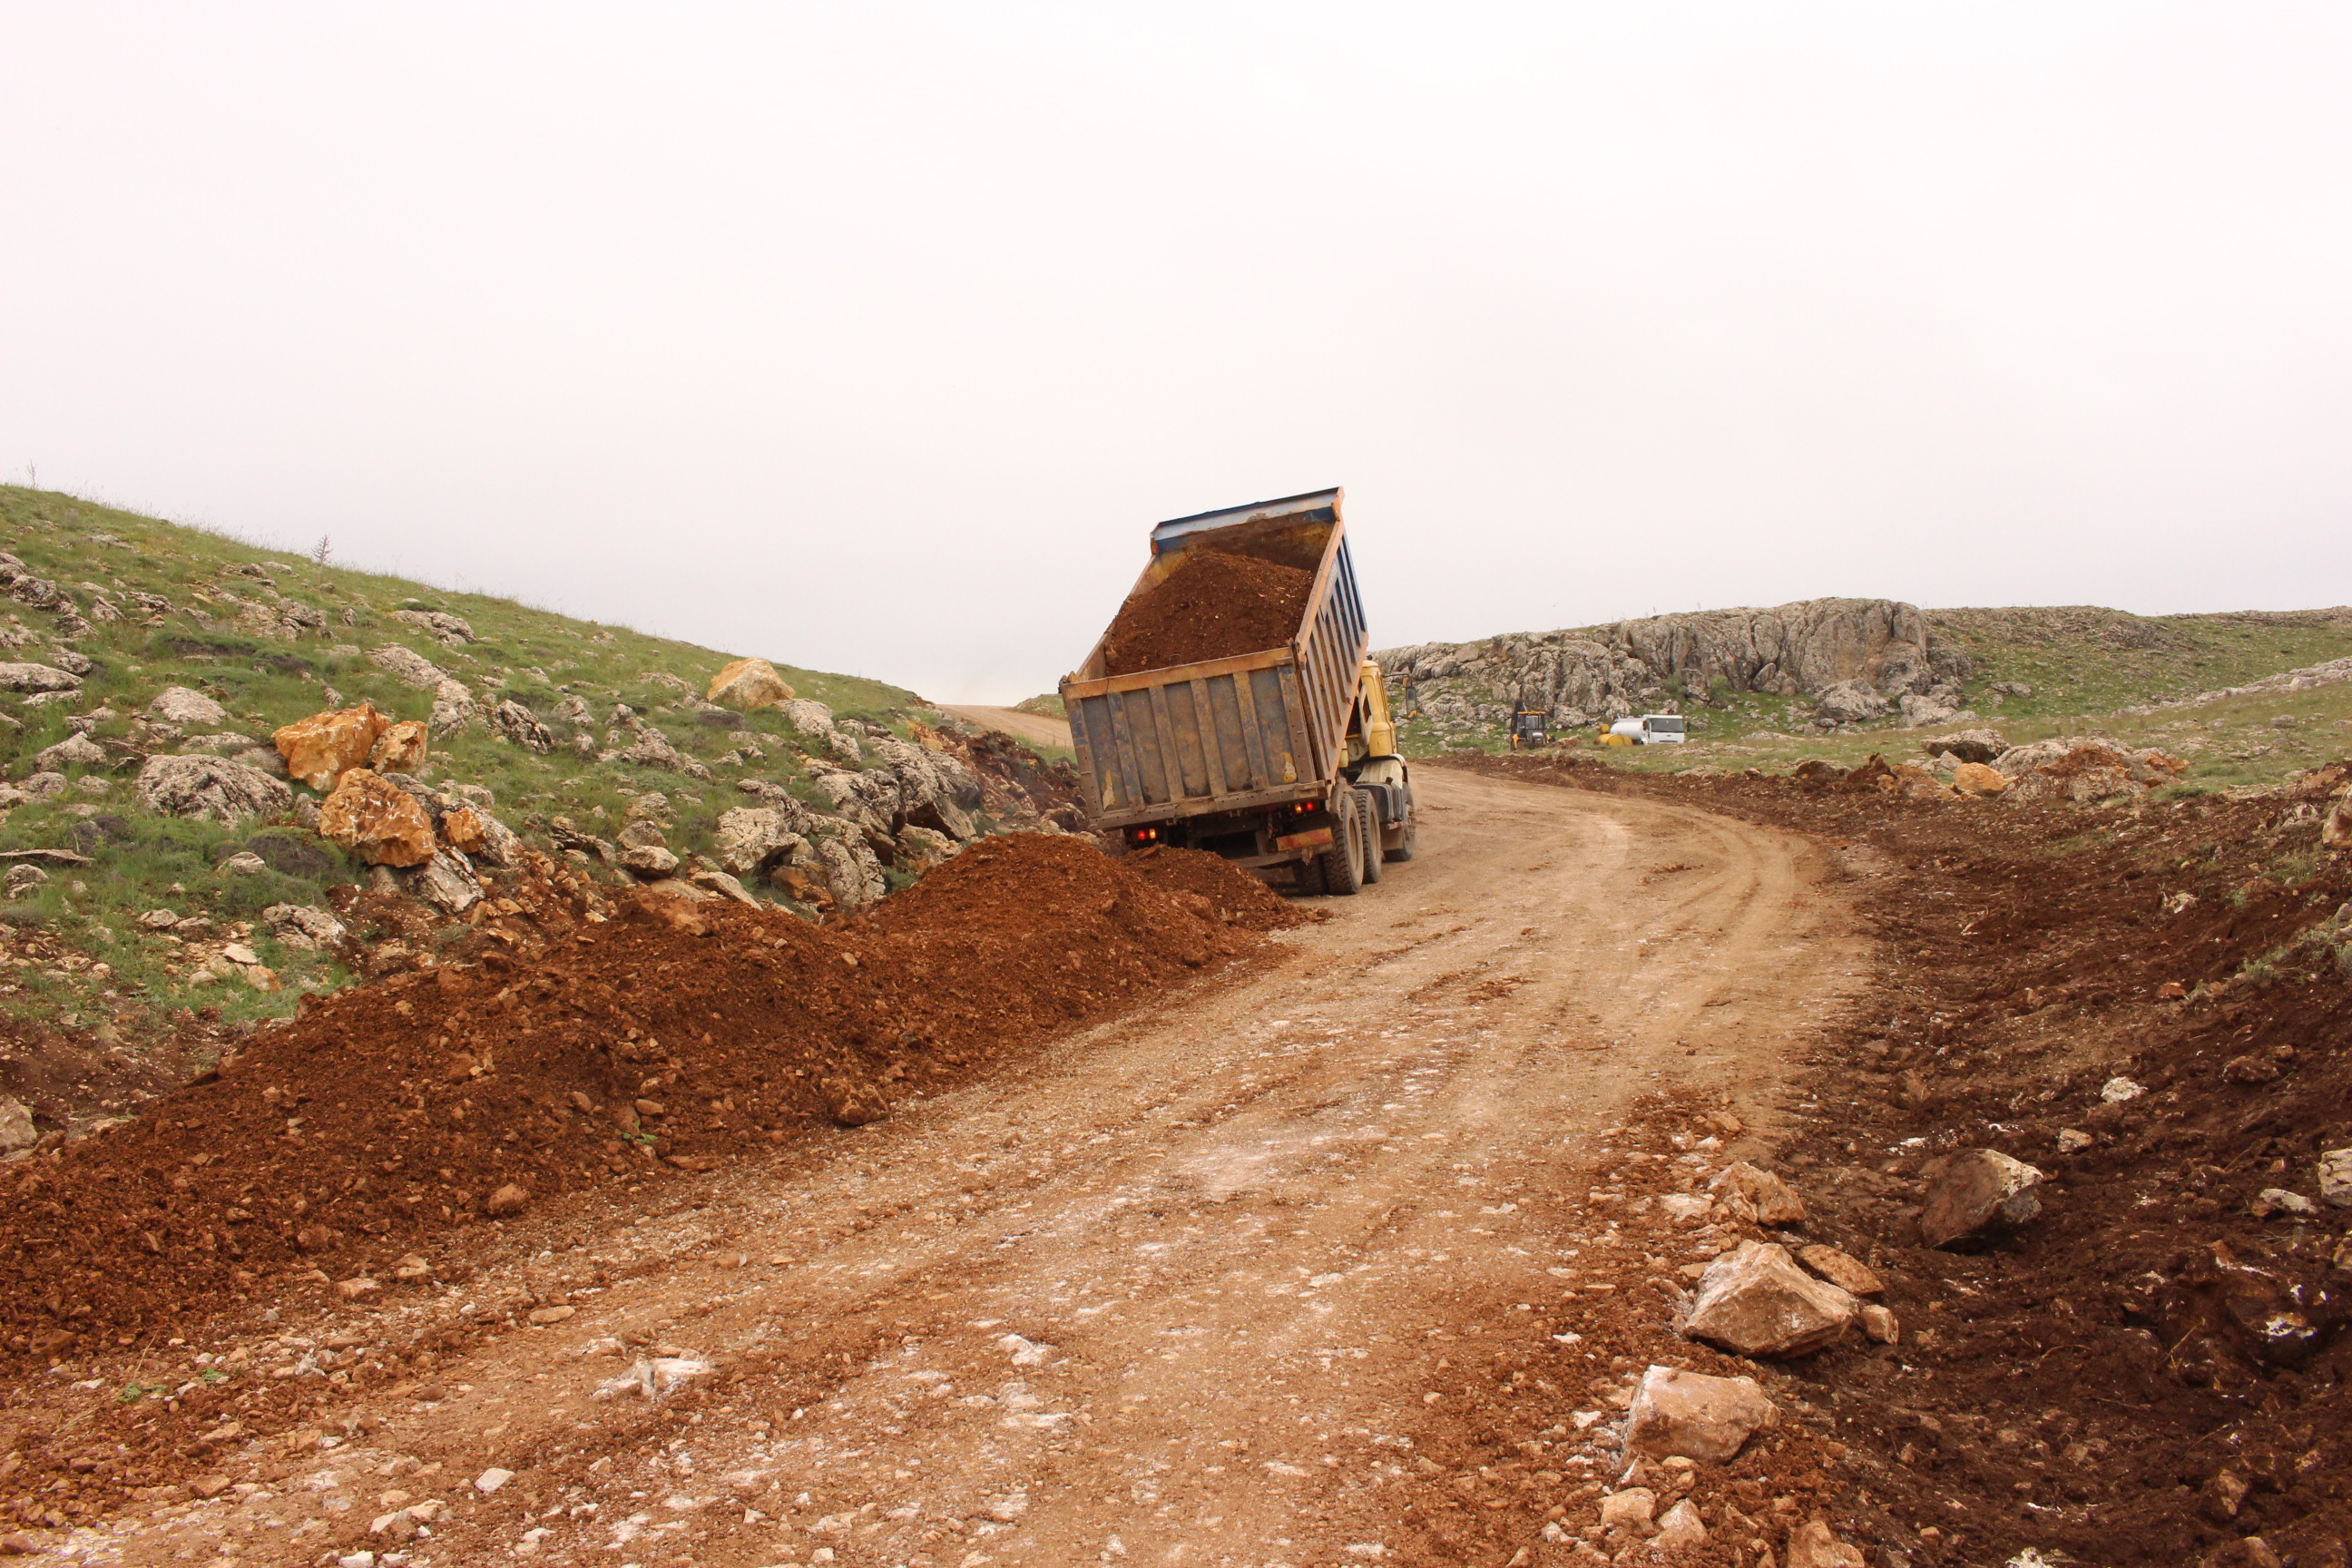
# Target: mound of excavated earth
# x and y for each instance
(1215, 606)
(675, 1037)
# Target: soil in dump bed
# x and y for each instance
(387, 1114)
(1214, 605)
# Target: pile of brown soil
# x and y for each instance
(2153, 1370)
(1214, 605)
(673, 1039)
(1236, 899)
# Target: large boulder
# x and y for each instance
(747, 684)
(481, 837)
(1848, 702)
(215, 787)
(76, 751)
(1976, 1197)
(379, 823)
(1695, 1415)
(851, 874)
(320, 749)
(750, 838)
(1966, 745)
(38, 678)
(1757, 1196)
(519, 726)
(445, 880)
(400, 749)
(408, 667)
(1756, 1302)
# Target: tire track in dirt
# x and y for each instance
(1206, 1285)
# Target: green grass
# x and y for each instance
(534, 656)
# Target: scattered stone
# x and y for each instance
(179, 705)
(719, 882)
(377, 821)
(356, 1288)
(1976, 1197)
(1880, 1324)
(491, 1480)
(1815, 1545)
(1681, 1530)
(1757, 1196)
(76, 751)
(36, 677)
(748, 684)
(21, 880)
(649, 860)
(212, 787)
(509, 1199)
(1756, 1302)
(1695, 1415)
(546, 1315)
(1840, 1270)
(305, 926)
(320, 749)
(2278, 1200)
(452, 630)
(16, 1129)
(2336, 1178)
(2116, 1091)
(1980, 780)
(2249, 1070)
(2074, 1140)
(244, 863)
(640, 833)
(1685, 1208)
(1628, 1510)
(1966, 745)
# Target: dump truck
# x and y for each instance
(1271, 758)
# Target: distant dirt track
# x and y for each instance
(1034, 728)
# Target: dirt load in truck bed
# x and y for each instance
(1215, 606)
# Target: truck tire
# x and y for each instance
(1307, 877)
(1368, 834)
(1342, 865)
(1404, 849)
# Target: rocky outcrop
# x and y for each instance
(452, 630)
(1872, 650)
(320, 749)
(210, 788)
(376, 820)
(747, 684)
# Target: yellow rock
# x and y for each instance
(377, 822)
(1975, 778)
(318, 749)
(463, 829)
(400, 749)
(749, 683)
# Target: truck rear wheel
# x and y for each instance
(1342, 865)
(1368, 834)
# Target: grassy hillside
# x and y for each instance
(273, 638)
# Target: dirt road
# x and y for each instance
(1031, 728)
(1207, 1285)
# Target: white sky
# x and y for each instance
(874, 336)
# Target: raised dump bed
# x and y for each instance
(1228, 706)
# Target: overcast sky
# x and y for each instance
(873, 337)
